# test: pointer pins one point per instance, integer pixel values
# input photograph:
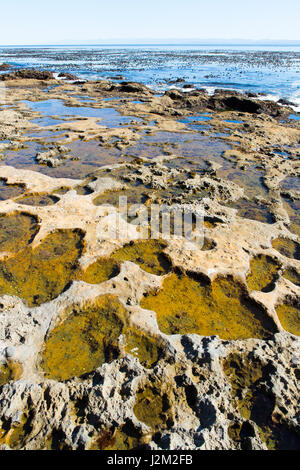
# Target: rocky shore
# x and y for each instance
(125, 342)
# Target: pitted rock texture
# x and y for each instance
(90, 356)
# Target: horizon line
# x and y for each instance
(164, 43)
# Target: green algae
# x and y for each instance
(243, 374)
(250, 209)
(264, 273)
(146, 348)
(247, 376)
(289, 317)
(9, 191)
(234, 430)
(83, 190)
(208, 244)
(135, 195)
(125, 437)
(287, 247)
(86, 339)
(211, 222)
(293, 209)
(186, 305)
(38, 200)
(15, 434)
(17, 230)
(101, 270)
(10, 372)
(39, 275)
(147, 254)
(154, 405)
(292, 275)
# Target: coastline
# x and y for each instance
(234, 155)
(271, 70)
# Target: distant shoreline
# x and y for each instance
(129, 44)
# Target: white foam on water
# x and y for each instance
(210, 89)
(186, 90)
(295, 97)
(268, 97)
(55, 75)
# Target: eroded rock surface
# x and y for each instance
(110, 340)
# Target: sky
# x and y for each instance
(77, 21)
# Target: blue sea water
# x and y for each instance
(273, 70)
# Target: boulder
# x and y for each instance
(285, 102)
(28, 74)
(133, 87)
(175, 95)
(235, 101)
(67, 76)
(4, 66)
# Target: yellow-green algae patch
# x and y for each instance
(125, 437)
(154, 405)
(9, 191)
(292, 275)
(83, 190)
(85, 339)
(208, 244)
(146, 348)
(211, 222)
(287, 247)
(38, 200)
(247, 376)
(17, 230)
(99, 271)
(10, 372)
(187, 305)
(243, 373)
(264, 273)
(289, 317)
(14, 434)
(136, 195)
(147, 254)
(39, 275)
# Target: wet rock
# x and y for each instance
(28, 74)
(178, 80)
(116, 77)
(53, 157)
(67, 76)
(133, 87)
(4, 66)
(175, 94)
(285, 102)
(238, 102)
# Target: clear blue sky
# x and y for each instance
(55, 21)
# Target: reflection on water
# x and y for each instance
(90, 156)
(108, 117)
(179, 143)
(233, 121)
(252, 210)
(296, 117)
(291, 183)
(47, 121)
(250, 179)
(293, 210)
(196, 122)
(8, 191)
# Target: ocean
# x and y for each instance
(271, 70)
